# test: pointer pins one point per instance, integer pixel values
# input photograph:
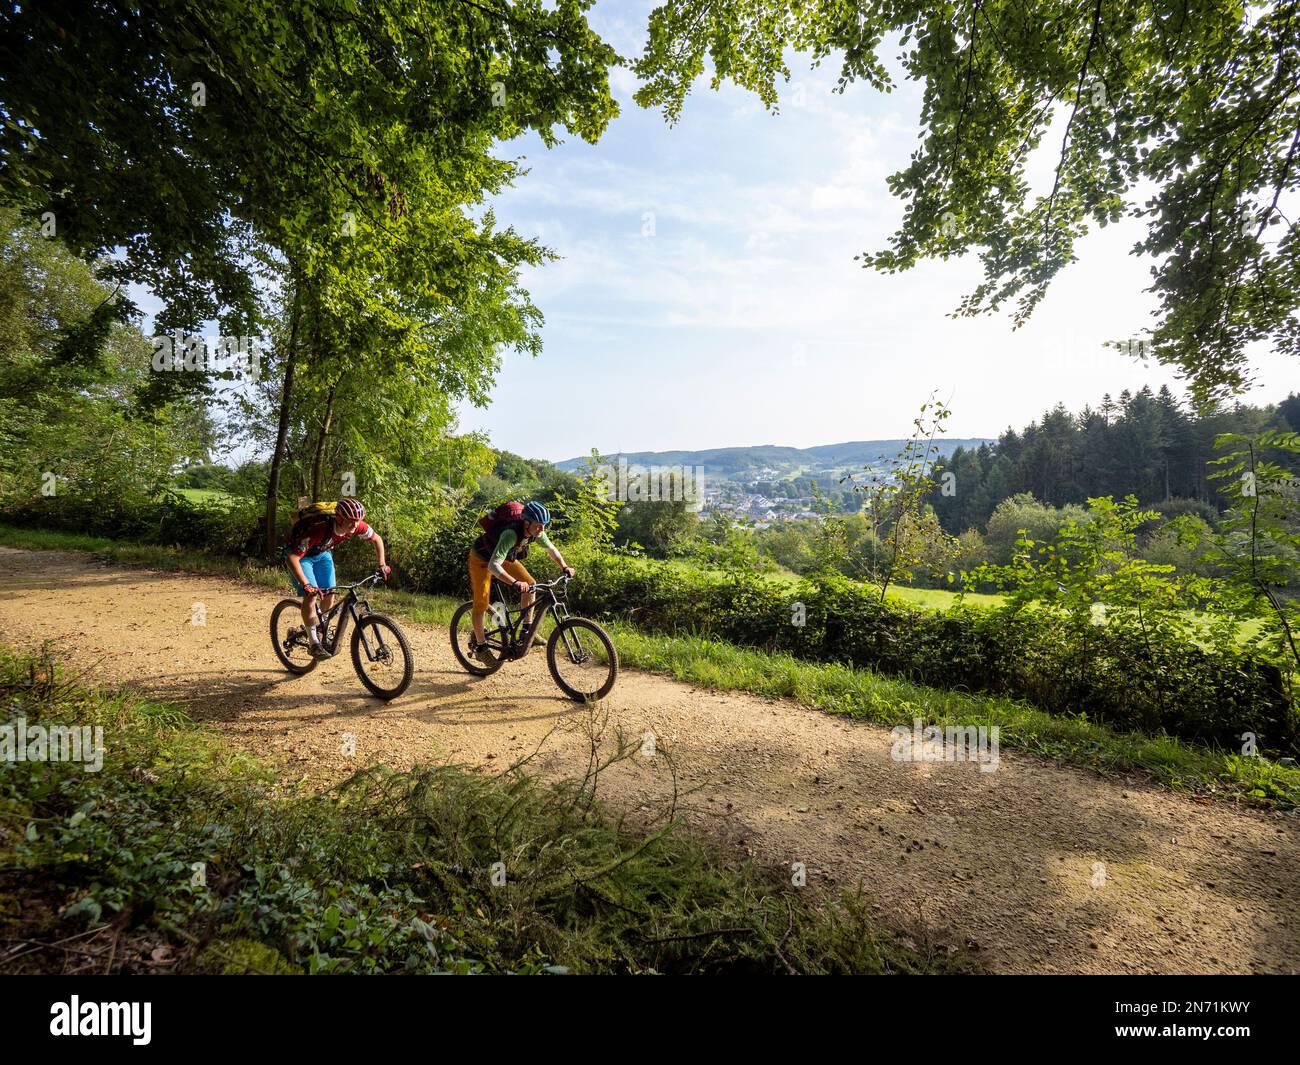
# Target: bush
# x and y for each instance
(1183, 542)
(1023, 513)
(230, 528)
(1177, 508)
(1162, 685)
(437, 563)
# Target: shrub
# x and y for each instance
(170, 520)
(1157, 685)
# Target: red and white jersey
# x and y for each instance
(319, 537)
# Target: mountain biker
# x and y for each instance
(310, 561)
(496, 553)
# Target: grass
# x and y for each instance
(858, 693)
(941, 598)
(204, 495)
(184, 854)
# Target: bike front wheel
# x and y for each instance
(289, 637)
(582, 660)
(381, 656)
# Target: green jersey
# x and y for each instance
(508, 539)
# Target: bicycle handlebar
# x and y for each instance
(376, 576)
(550, 584)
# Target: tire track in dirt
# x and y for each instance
(1004, 860)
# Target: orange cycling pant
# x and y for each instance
(480, 578)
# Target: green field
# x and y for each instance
(205, 495)
(941, 598)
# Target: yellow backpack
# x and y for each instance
(304, 517)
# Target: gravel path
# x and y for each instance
(1036, 867)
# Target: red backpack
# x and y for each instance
(504, 516)
(495, 523)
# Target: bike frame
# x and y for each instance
(348, 607)
(521, 637)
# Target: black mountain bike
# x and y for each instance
(580, 654)
(380, 654)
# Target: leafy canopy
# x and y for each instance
(179, 136)
(1184, 113)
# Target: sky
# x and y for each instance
(707, 293)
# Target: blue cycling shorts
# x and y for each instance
(318, 569)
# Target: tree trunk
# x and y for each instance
(277, 457)
(320, 444)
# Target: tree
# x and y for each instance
(1090, 572)
(908, 530)
(73, 366)
(587, 515)
(1022, 516)
(1259, 544)
(1182, 543)
(1146, 446)
(353, 142)
(382, 363)
(789, 544)
(1178, 451)
(169, 129)
(1289, 412)
(1198, 103)
(661, 527)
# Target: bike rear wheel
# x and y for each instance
(462, 642)
(582, 660)
(289, 637)
(381, 656)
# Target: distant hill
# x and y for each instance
(746, 463)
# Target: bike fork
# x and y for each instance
(575, 649)
(571, 642)
(379, 643)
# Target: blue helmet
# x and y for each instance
(537, 512)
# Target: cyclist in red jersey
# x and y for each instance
(310, 562)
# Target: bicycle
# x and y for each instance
(381, 656)
(579, 653)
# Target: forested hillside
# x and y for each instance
(1148, 445)
(772, 462)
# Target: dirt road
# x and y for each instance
(1039, 868)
